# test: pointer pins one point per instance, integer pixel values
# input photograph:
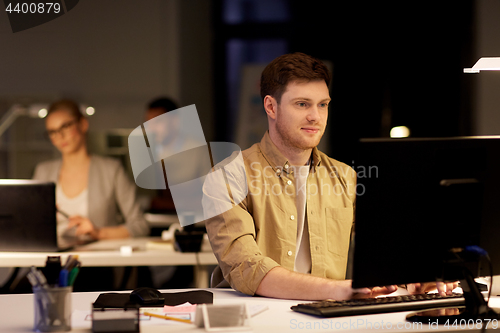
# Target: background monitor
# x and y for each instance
(418, 198)
(27, 216)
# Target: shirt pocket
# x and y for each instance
(338, 229)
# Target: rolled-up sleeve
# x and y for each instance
(231, 230)
(232, 236)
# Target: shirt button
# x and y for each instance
(286, 166)
(289, 253)
(292, 217)
(317, 248)
(289, 182)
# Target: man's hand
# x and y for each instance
(422, 288)
(343, 290)
(374, 292)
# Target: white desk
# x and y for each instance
(17, 316)
(161, 220)
(107, 253)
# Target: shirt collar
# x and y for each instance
(276, 159)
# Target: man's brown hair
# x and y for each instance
(288, 68)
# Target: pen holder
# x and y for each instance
(52, 309)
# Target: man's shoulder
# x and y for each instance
(336, 165)
(331, 161)
(252, 154)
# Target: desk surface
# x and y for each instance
(17, 316)
(107, 253)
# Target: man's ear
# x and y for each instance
(271, 106)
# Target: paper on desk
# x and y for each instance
(255, 309)
(81, 319)
(181, 311)
(181, 308)
(148, 320)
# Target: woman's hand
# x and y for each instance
(83, 226)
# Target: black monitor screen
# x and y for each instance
(27, 216)
(419, 198)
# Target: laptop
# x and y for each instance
(28, 217)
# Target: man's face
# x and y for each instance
(164, 132)
(302, 114)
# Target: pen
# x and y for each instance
(72, 274)
(32, 279)
(66, 215)
(63, 274)
(37, 279)
(63, 278)
(187, 321)
(71, 262)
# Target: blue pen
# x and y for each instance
(63, 278)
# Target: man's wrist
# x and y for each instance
(339, 289)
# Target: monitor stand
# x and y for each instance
(475, 308)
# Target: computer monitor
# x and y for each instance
(419, 202)
(27, 216)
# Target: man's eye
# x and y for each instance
(301, 104)
(324, 105)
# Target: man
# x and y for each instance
(167, 138)
(289, 236)
(162, 202)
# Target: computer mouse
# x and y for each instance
(147, 296)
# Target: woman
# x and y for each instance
(94, 196)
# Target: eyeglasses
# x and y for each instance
(63, 130)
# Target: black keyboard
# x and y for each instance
(355, 307)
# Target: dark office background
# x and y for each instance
(394, 63)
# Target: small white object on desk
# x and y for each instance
(126, 250)
(168, 235)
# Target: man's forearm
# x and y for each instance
(282, 283)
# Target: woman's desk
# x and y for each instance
(111, 254)
(18, 316)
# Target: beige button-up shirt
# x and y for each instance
(260, 232)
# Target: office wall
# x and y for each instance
(105, 55)
(113, 55)
(487, 84)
